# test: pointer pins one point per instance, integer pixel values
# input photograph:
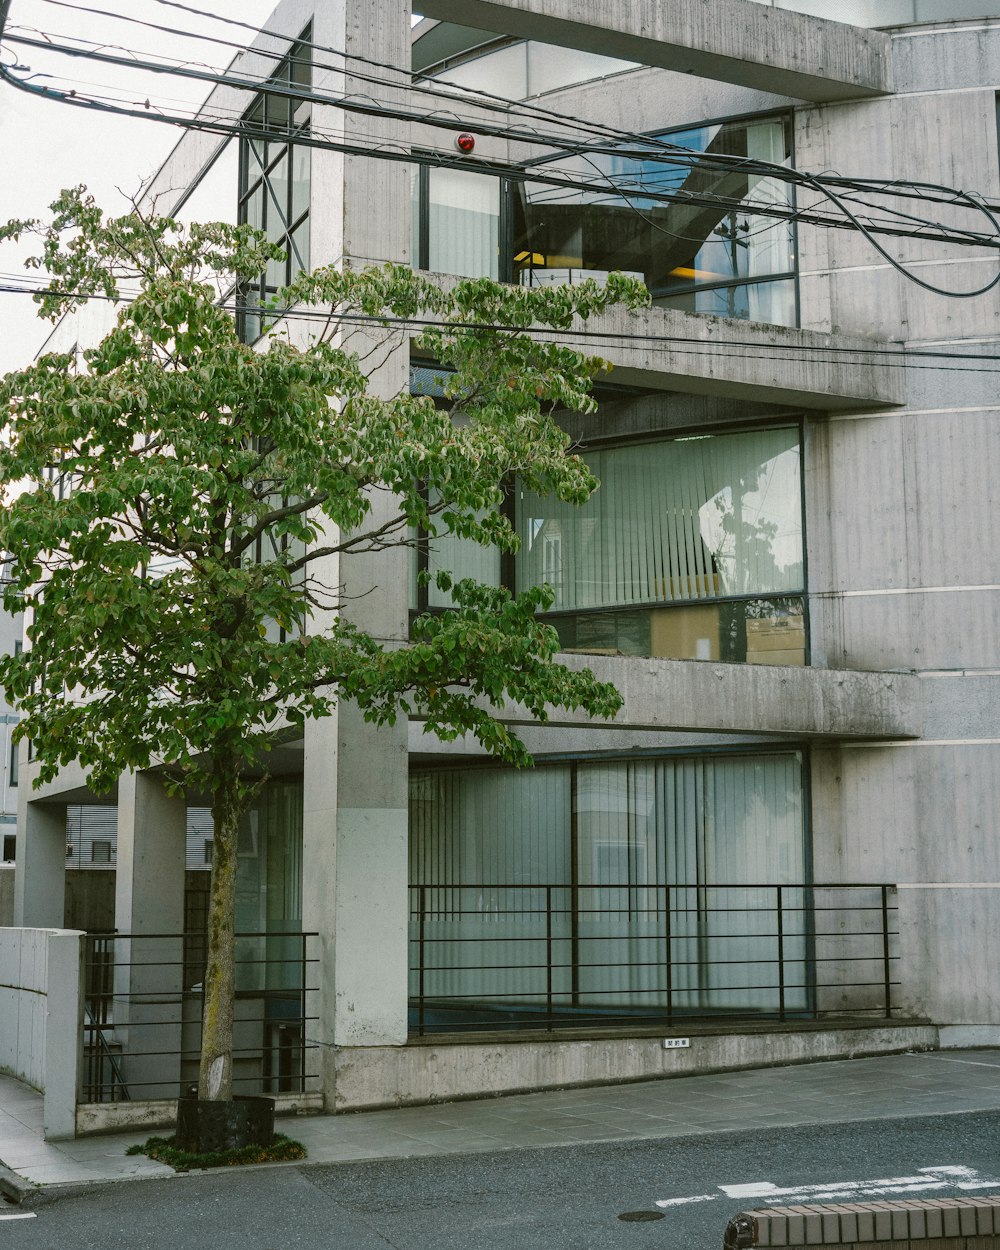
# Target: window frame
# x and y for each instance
(611, 442)
(255, 180)
(506, 217)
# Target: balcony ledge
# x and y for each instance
(706, 697)
(787, 53)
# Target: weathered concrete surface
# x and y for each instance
(6, 895)
(119, 1117)
(399, 1076)
(731, 40)
(709, 355)
(762, 699)
(670, 350)
(41, 1012)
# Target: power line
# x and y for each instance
(882, 357)
(479, 165)
(651, 150)
(851, 219)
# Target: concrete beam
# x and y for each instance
(736, 41)
(700, 697)
(666, 349)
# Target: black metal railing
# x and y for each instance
(487, 956)
(143, 1014)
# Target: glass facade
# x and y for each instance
(691, 549)
(274, 182)
(710, 248)
(568, 884)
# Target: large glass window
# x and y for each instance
(709, 250)
(274, 181)
(564, 887)
(691, 549)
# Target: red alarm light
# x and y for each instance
(465, 142)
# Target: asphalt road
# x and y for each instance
(558, 1198)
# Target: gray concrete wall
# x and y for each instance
(729, 40)
(41, 1017)
(440, 1072)
(903, 570)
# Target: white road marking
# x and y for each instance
(677, 1202)
(945, 1176)
(19, 1215)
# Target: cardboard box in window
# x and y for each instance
(776, 640)
(692, 586)
(688, 633)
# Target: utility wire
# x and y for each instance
(735, 349)
(649, 146)
(524, 174)
(851, 219)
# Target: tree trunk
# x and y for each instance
(215, 1078)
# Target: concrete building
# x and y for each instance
(785, 846)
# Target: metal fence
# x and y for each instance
(488, 956)
(143, 1013)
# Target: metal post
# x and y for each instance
(886, 968)
(670, 970)
(781, 955)
(420, 955)
(302, 1014)
(548, 957)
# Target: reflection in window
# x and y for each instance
(560, 889)
(690, 549)
(707, 251)
(274, 181)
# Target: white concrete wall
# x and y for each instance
(41, 1018)
(23, 1003)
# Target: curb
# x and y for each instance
(16, 1189)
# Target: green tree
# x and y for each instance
(170, 496)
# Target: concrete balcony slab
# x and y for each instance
(667, 349)
(736, 41)
(702, 697)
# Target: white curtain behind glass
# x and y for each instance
(718, 832)
(464, 224)
(769, 243)
(483, 845)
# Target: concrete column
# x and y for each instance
(355, 818)
(152, 837)
(63, 1034)
(149, 910)
(40, 864)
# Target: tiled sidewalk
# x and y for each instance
(935, 1083)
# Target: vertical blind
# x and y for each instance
(678, 520)
(606, 865)
(463, 224)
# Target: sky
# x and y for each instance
(48, 145)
